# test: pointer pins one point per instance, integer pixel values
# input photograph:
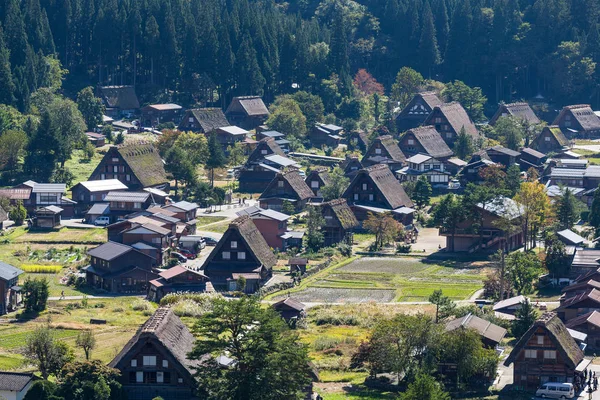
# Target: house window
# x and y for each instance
(156, 240)
(436, 166)
(115, 159)
(179, 380)
(150, 361)
(150, 377)
(264, 151)
(550, 354)
(226, 255)
(115, 168)
(371, 197)
(438, 120)
(377, 151)
(547, 138)
(241, 255)
(280, 184)
(139, 376)
(127, 177)
(449, 135)
(48, 198)
(355, 196)
(233, 244)
(159, 377)
(314, 184)
(132, 377)
(364, 186)
(165, 364)
(410, 141)
(191, 119)
(137, 205)
(530, 353)
(134, 363)
(102, 177)
(92, 197)
(540, 339)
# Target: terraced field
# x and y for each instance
(393, 279)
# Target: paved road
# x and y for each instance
(77, 223)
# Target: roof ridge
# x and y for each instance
(154, 322)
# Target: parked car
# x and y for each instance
(188, 254)
(178, 256)
(210, 241)
(554, 390)
(102, 221)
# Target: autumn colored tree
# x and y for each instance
(366, 83)
(385, 228)
(536, 208)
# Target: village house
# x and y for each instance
(351, 165)
(531, 158)
(454, 165)
(298, 265)
(545, 353)
(589, 324)
(120, 101)
(358, 140)
(550, 140)
(119, 268)
(425, 140)
(491, 334)
(154, 362)
(488, 237)
(96, 211)
(570, 238)
(424, 165)
(270, 223)
(230, 135)
(496, 155)
(376, 190)
(149, 238)
(178, 279)
(448, 119)
(507, 308)
(137, 165)
(585, 264)
(325, 135)
(96, 139)
(15, 385)
(316, 179)
(10, 295)
(478, 161)
(156, 114)
(290, 309)
(287, 186)
(417, 110)
(203, 120)
(263, 164)
(16, 194)
(384, 150)
(260, 135)
(90, 192)
(184, 210)
(241, 252)
(520, 111)
(579, 287)
(247, 112)
(47, 194)
(578, 121)
(48, 217)
(579, 304)
(123, 203)
(340, 222)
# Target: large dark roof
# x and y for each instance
(165, 327)
(485, 328)
(557, 331)
(109, 250)
(321, 172)
(291, 303)
(431, 141)
(121, 97)
(342, 212)
(249, 105)
(518, 110)
(457, 117)
(383, 178)
(145, 163)
(584, 115)
(430, 98)
(391, 147)
(14, 381)
(8, 272)
(268, 144)
(296, 182)
(555, 131)
(210, 118)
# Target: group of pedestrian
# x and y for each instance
(591, 379)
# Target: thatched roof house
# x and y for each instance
(517, 110)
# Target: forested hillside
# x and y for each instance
(512, 49)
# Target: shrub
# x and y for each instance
(188, 308)
(330, 316)
(118, 309)
(403, 248)
(41, 269)
(326, 342)
(141, 305)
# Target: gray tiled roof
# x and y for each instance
(109, 251)
(14, 381)
(8, 272)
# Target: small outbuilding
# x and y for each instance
(48, 217)
(298, 264)
(14, 385)
(290, 309)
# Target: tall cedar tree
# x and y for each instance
(7, 86)
(428, 48)
(463, 147)
(595, 212)
(314, 234)
(566, 212)
(216, 157)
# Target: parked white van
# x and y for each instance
(552, 390)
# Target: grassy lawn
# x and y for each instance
(592, 156)
(206, 219)
(62, 235)
(217, 228)
(80, 168)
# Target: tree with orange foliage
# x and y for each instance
(366, 84)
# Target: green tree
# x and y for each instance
(594, 212)
(557, 261)
(120, 139)
(443, 304)
(510, 132)
(525, 316)
(216, 157)
(41, 390)
(338, 182)
(513, 179)
(18, 213)
(311, 106)
(178, 164)
(566, 209)
(91, 107)
(422, 192)
(407, 84)
(7, 85)
(261, 346)
(314, 234)
(236, 154)
(428, 47)
(523, 270)
(87, 341)
(90, 380)
(450, 213)
(107, 131)
(472, 99)
(241, 283)
(40, 159)
(35, 292)
(49, 353)
(286, 117)
(424, 387)
(463, 147)
(287, 207)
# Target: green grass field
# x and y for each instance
(80, 168)
(592, 156)
(208, 219)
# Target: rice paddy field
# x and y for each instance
(383, 280)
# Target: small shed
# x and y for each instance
(14, 385)
(290, 309)
(97, 210)
(298, 264)
(48, 217)
(97, 139)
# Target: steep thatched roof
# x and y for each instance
(432, 141)
(254, 239)
(390, 149)
(321, 172)
(557, 331)
(518, 110)
(384, 180)
(457, 118)
(584, 115)
(248, 105)
(269, 144)
(145, 163)
(164, 328)
(210, 118)
(342, 212)
(555, 132)
(295, 181)
(121, 97)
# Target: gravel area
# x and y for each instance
(385, 265)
